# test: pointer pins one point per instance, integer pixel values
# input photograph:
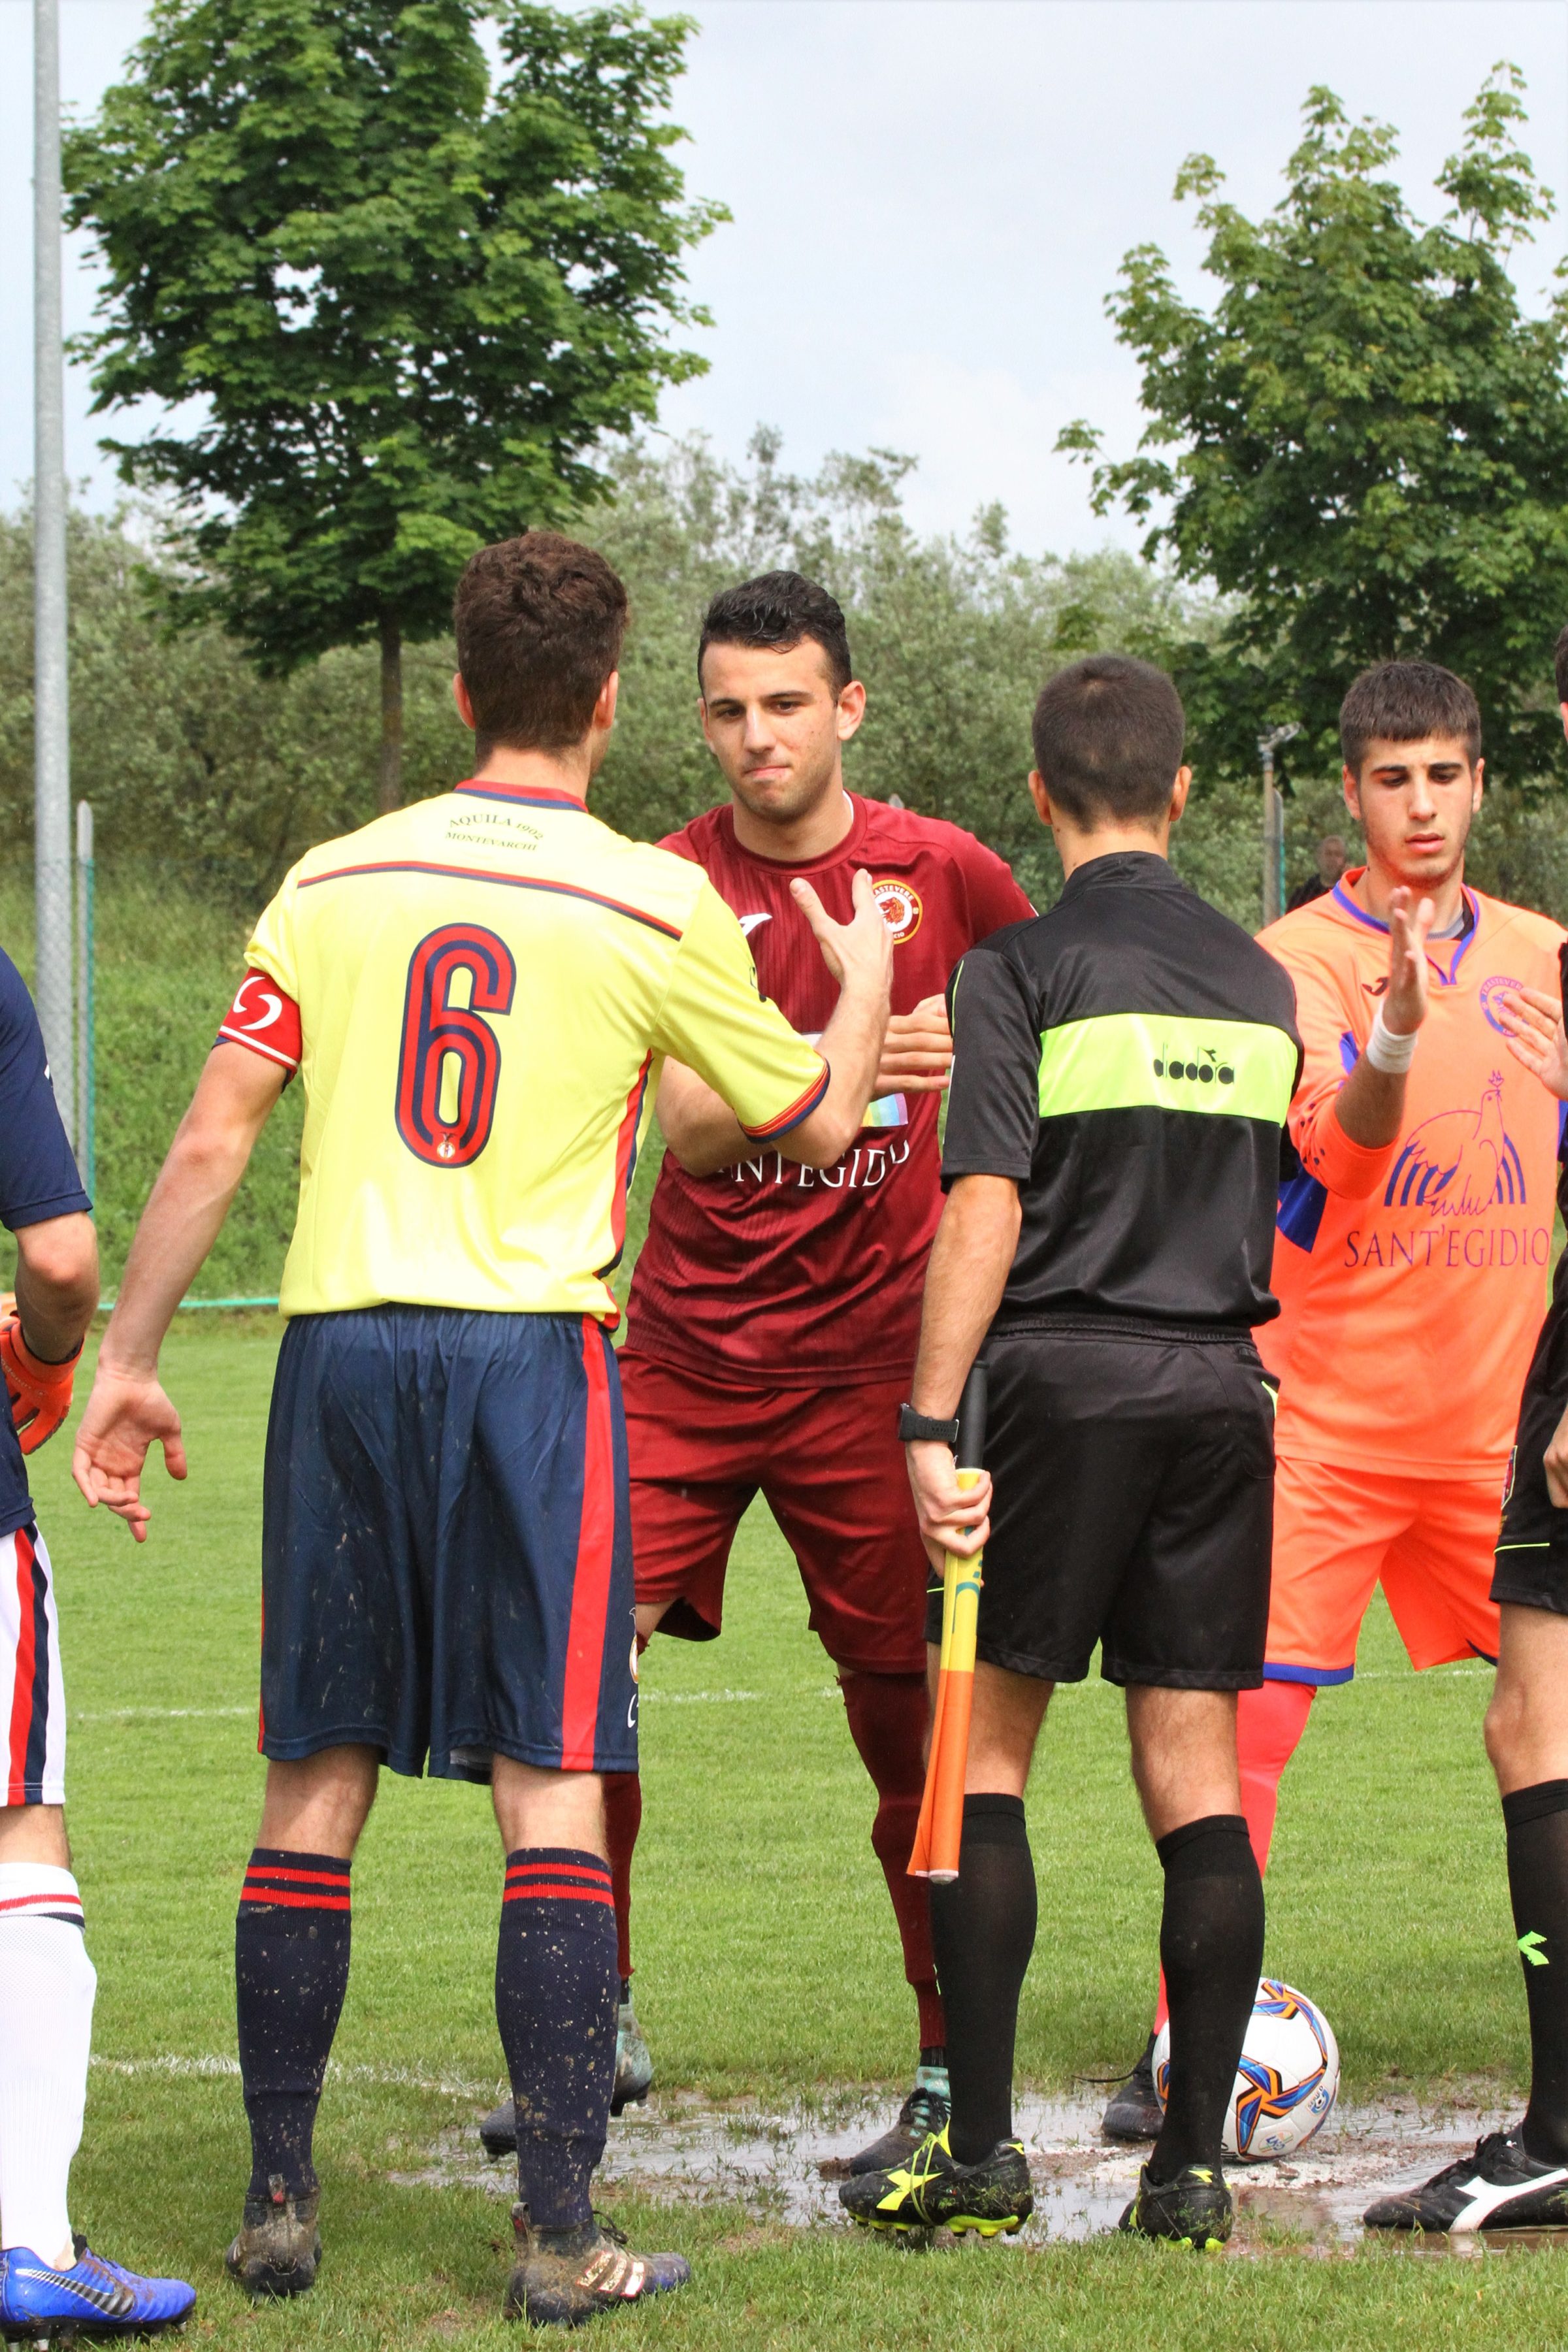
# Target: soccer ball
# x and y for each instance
(1289, 2077)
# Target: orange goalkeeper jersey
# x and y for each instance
(1412, 1279)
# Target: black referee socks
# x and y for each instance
(1537, 1823)
(1211, 1947)
(982, 1926)
(290, 1973)
(557, 1995)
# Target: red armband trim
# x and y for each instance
(264, 1018)
(802, 1107)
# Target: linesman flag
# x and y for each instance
(940, 1830)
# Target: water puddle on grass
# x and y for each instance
(788, 2164)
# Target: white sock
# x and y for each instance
(46, 1987)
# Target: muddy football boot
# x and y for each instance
(923, 2114)
(1498, 2187)
(278, 2248)
(1134, 2111)
(93, 2297)
(565, 2276)
(1194, 2210)
(932, 2193)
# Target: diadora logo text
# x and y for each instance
(1207, 1070)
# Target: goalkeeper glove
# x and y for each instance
(40, 1394)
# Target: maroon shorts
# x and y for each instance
(828, 1464)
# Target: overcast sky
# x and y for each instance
(930, 199)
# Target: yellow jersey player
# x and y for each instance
(477, 992)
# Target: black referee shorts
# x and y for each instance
(1532, 1542)
(1133, 1466)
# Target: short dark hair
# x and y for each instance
(539, 622)
(780, 611)
(1560, 665)
(1406, 702)
(1108, 732)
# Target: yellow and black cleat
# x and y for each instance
(929, 2191)
(1194, 2210)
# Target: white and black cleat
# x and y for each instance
(1500, 2187)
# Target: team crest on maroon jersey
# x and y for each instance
(901, 909)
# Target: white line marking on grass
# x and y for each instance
(160, 1714)
(399, 2078)
(699, 1698)
(1413, 1674)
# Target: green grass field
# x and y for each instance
(767, 1962)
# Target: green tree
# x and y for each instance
(389, 307)
(1364, 443)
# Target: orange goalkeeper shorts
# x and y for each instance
(1339, 1533)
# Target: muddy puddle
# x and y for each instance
(786, 2165)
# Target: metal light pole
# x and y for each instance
(1273, 822)
(86, 1019)
(51, 709)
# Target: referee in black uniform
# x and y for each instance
(1122, 1068)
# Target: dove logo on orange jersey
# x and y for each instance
(1460, 1163)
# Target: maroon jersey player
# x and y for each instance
(773, 1323)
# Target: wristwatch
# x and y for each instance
(917, 1428)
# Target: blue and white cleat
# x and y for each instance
(95, 2297)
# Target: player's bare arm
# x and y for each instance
(128, 1410)
(970, 1261)
(1371, 1104)
(57, 1284)
(42, 1324)
(698, 1125)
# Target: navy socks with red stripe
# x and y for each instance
(291, 1971)
(556, 1997)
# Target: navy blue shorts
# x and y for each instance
(447, 1565)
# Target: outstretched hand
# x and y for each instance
(1534, 1024)
(1409, 920)
(917, 1052)
(127, 1414)
(858, 953)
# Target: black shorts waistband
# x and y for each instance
(1124, 1327)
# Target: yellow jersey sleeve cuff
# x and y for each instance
(802, 1107)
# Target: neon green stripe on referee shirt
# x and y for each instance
(1123, 1061)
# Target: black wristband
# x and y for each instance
(918, 1428)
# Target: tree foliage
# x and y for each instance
(208, 780)
(191, 757)
(1364, 443)
(390, 310)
